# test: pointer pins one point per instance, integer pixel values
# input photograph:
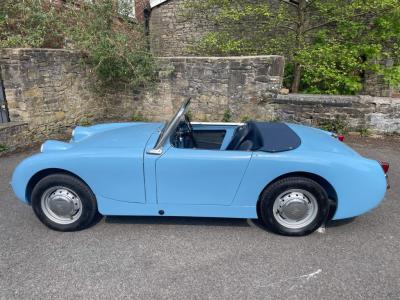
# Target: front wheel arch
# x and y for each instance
(325, 184)
(42, 174)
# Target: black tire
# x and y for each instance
(89, 212)
(272, 192)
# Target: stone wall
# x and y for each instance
(14, 135)
(236, 86)
(51, 91)
(377, 114)
(171, 32)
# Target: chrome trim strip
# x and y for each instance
(155, 151)
(217, 123)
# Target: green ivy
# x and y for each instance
(338, 43)
(116, 47)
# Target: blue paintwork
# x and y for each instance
(202, 177)
(113, 160)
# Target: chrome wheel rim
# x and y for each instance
(295, 208)
(61, 205)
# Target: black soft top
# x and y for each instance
(264, 136)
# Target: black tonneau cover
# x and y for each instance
(272, 137)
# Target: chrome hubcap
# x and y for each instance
(61, 205)
(295, 208)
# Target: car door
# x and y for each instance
(200, 177)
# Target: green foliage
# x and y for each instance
(331, 69)
(227, 117)
(189, 115)
(276, 119)
(336, 125)
(167, 71)
(3, 148)
(29, 23)
(85, 122)
(138, 117)
(331, 43)
(364, 132)
(245, 119)
(116, 47)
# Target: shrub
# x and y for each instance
(227, 117)
(116, 46)
(29, 23)
(336, 125)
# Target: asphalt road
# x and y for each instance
(131, 258)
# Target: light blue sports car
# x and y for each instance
(292, 177)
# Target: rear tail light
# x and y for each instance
(385, 166)
(340, 137)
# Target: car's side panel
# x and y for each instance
(116, 173)
(111, 173)
(359, 182)
(200, 177)
(110, 207)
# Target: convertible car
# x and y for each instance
(292, 177)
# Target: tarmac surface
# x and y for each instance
(189, 258)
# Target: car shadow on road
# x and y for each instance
(198, 221)
(178, 221)
(336, 223)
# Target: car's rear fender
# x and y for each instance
(359, 183)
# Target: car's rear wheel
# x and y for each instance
(64, 203)
(294, 206)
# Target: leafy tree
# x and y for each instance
(29, 23)
(116, 47)
(328, 44)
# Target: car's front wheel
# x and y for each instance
(64, 203)
(294, 206)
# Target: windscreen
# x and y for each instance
(172, 124)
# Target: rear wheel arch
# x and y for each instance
(325, 184)
(44, 173)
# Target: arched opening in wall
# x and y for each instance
(4, 116)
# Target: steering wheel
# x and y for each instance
(184, 137)
(190, 130)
